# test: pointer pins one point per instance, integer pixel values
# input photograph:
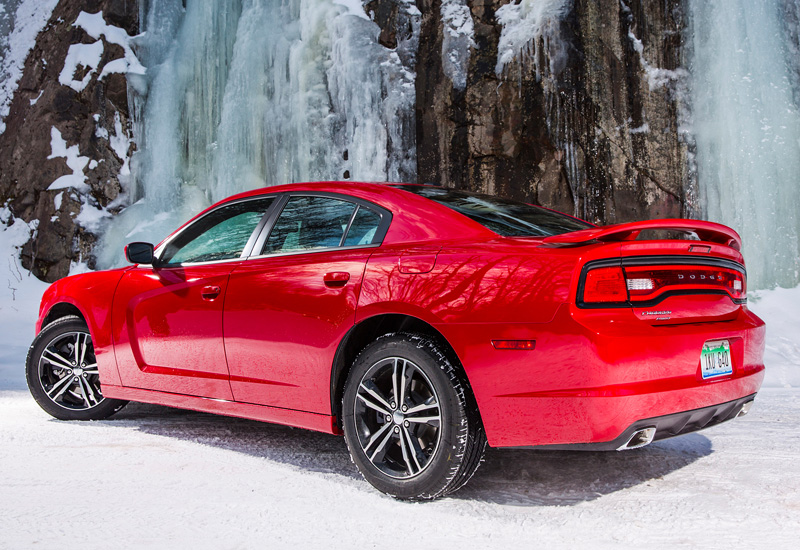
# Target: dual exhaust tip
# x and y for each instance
(645, 436)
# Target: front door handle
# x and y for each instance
(210, 292)
(336, 278)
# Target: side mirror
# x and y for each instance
(139, 253)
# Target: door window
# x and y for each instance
(219, 235)
(307, 223)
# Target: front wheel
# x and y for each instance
(408, 421)
(62, 373)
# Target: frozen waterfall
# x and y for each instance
(745, 68)
(240, 94)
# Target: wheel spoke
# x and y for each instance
(83, 349)
(403, 385)
(414, 447)
(374, 437)
(372, 405)
(91, 391)
(395, 388)
(60, 361)
(84, 393)
(423, 407)
(87, 370)
(381, 448)
(374, 393)
(432, 420)
(406, 452)
(59, 387)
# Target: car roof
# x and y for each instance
(414, 217)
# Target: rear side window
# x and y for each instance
(363, 227)
(219, 235)
(505, 217)
(307, 223)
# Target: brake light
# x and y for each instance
(605, 285)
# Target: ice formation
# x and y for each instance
(240, 94)
(747, 129)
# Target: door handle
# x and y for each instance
(210, 292)
(336, 278)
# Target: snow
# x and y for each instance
(779, 308)
(75, 162)
(88, 55)
(95, 26)
(523, 25)
(458, 39)
(163, 478)
(354, 7)
(30, 17)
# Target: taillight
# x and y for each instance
(647, 283)
(605, 285)
(641, 284)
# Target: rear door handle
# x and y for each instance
(210, 292)
(336, 278)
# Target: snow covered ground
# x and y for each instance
(162, 478)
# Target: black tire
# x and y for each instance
(63, 381)
(431, 448)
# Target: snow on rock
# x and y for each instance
(458, 38)
(87, 56)
(76, 163)
(29, 19)
(675, 79)
(524, 24)
(95, 26)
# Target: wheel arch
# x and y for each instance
(361, 334)
(60, 310)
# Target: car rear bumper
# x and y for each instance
(665, 426)
(593, 376)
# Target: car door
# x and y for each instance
(167, 318)
(288, 307)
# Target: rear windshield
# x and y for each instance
(504, 217)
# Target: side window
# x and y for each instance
(362, 230)
(307, 223)
(219, 235)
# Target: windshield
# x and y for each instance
(505, 217)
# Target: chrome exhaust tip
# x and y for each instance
(640, 438)
(745, 409)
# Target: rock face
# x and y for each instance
(91, 122)
(586, 118)
(594, 133)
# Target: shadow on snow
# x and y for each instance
(507, 476)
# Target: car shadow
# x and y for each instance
(507, 476)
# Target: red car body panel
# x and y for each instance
(284, 303)
(264, 345)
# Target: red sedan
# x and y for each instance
(421, 322)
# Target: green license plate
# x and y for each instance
(715, 359)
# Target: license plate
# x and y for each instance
(715, 359)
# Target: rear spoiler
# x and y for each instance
(705, 231)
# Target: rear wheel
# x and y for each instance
(62, 373)
(408, 422)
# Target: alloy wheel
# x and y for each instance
(398, 417)
(68, 372)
